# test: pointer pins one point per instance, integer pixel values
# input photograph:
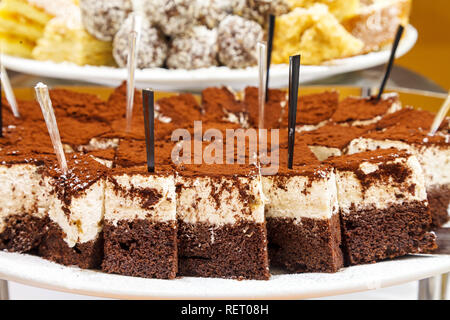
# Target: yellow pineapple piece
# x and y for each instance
(19, 26)
(15, 46)
(328, 40)
(315, 34)
(289, 29)
(22, 22)
(65, 39)
(27, 10)
(341, 9)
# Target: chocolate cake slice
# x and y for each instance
(303, 219)
(413, 119)
(140, 226)
(302, 213)
(331, 139)
(315, 110)
(222, 105)
(221, 225)
(24, 153)
(274, 107)
(433, 154)
(357, 111)
(383, 206)
(23, 220)
(76, 210)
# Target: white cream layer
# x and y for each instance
(322, 153)
(395, 106)
(380, 194)
(94, 145)
(128, 207)
(19, 184)
(107, 163)
(300, 198)
(83, 223)
(435, 160)
(100, 144)
(196, 203)
(310, 127)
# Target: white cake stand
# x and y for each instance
(196, 80)
(35, 271)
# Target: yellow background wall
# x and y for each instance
(431, 55)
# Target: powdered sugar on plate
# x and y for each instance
(32, 270)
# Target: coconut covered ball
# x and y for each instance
(237, 39)
(152, 49)
(103, 18)
(259, 10)
(173, 17)
(197, 49)
(211, 12)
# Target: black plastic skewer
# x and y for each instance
(269, 51)
(149, 123)
(294, 72)
(398, 37)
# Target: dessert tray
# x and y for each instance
(35, 271)
(195, 80)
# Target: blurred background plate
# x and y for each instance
(196, 80)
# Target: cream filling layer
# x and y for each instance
(435, 161)
(128, 206)
(82, 220)
(299, 197)
(322, 153)
(380, 194)
(219, 201)
(19, 184)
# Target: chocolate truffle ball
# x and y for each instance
(211, 12)
(197, 49)
(173, 17)
(103, 18)
(259, 10)
(152, 50)
(237, 40)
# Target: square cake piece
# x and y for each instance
(222, 105)
(383, 206)
(302, 212)
(75, 209)
(414, 119)
(140, 226)
(331, 139)
(221, 225)
(303, 219)
(23, 222)
(433, 154)
(358, 111)
(315, 110)
(274, 107)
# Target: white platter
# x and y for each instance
(195, 80)
(34, 271)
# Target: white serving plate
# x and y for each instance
(35, 271)
(196, 80)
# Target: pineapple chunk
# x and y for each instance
(315, 34)
(341, 9)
